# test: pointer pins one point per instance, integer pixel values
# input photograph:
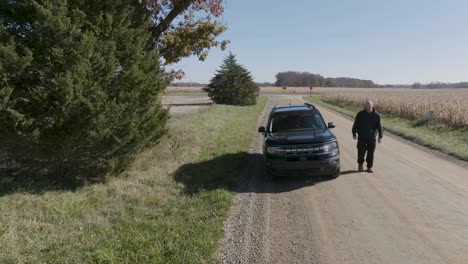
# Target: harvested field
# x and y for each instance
(450, 106)
(177, 107)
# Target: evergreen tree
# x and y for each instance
(79, 90)
(232, 84)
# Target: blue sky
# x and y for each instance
(391, 41)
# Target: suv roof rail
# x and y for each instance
(281, 106)
(309, 105)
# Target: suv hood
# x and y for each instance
(300, 137)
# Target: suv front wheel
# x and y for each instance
(336, 174)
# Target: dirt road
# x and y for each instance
(413, 209)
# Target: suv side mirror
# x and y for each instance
(331, 125)
(261, 129)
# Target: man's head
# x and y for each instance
(369, 106)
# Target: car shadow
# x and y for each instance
(348, 172)
(239, 172)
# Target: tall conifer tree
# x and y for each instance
(232, 84)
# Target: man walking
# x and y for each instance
(367, 125)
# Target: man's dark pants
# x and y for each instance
(366, 145)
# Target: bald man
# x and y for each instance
(367, 125)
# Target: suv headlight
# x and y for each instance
(331, 147)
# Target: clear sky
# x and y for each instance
(392, 41)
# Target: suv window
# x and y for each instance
(296, 121)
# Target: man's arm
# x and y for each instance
(379, 127)
(355, 125)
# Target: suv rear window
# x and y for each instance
(296, 121)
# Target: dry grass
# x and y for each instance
(189, 90)
(289, 90)
(450, 106)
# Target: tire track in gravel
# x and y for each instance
(266, 223)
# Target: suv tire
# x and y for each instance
(336, 174)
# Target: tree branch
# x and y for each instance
(179, 7)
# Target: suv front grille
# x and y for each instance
(298, 150)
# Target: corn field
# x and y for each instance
(450, 106)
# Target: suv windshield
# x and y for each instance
(292, 122)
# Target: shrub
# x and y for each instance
(79, 93)
(232, 85)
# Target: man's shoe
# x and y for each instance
(370, 170)
(360, 168)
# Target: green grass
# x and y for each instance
(169, 208)
(436, 136)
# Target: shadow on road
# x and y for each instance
(348, 172)
(222, 173)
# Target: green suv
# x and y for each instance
(299, 143)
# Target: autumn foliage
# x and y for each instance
(185, 27)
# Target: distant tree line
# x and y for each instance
(395, 86)
(306, 79)
(432, 85)
(265, 84)
(438, 85)
(350, 82)
(196, 84)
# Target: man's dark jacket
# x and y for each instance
(366, 125)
